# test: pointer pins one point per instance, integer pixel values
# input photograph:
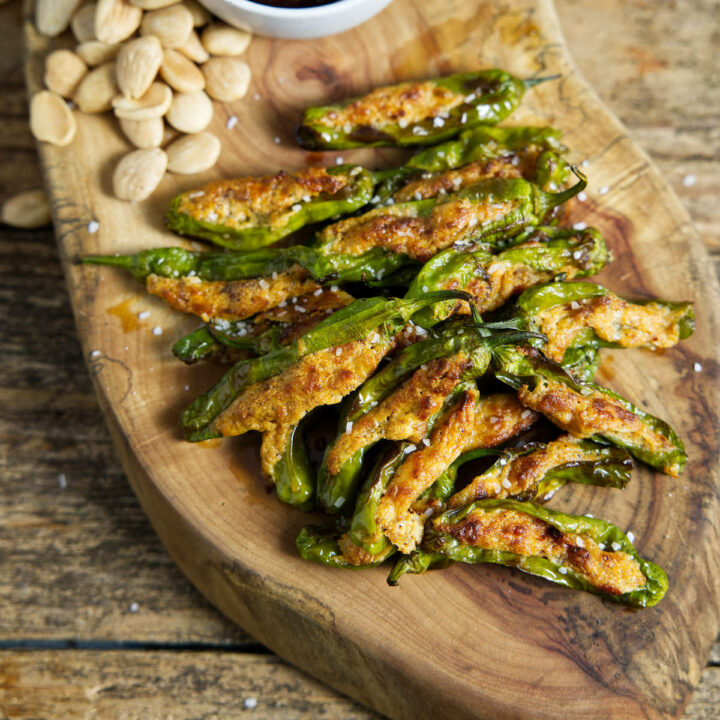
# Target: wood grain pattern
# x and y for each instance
(565, 622)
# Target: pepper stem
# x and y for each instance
(122, 261)
(532, 82)
(551, 200)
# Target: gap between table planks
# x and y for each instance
(246, 587)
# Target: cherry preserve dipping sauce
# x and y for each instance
(294, 3)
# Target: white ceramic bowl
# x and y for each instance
(300, 23)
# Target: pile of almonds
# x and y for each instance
(154, 64)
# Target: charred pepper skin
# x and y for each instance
(544, 251)
(528, 369)
(462, 101)
(440, 548)
(188, 213)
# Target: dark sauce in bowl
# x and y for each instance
(294, 3)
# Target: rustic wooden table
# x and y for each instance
(95, 620)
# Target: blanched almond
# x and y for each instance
(190, 112)
(193, 49)
(83, 23)
(180, 73)
(221, 39)
(94, 52)
(153, 104)
(51, 120)
(116, 20)
(97, 89)
(53, 16)
(171, 25)
(153, 4)
(138, 63)
(199, 14)
(63, 72)
(226, 78)
(28, 210)
(139, 173)
(144, 133)
(193, 153)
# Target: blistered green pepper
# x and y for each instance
(250, 213)
(587, 410)
(538, 470)
(355, 322)
(583, 315)
(421, 113)
(293, 475)
(491, 211)
(320, 544)
(573, 543)
(546, 253)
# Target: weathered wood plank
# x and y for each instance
(80, 684)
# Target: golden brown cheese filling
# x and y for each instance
(613, 320)
(274, 406)
(404, 104)
(231, 299)
(402, 230)
(405, 413)
(263, 201)
(419, 471)
(521, 474)
(593, 414)
(517, 532)
(498, 418)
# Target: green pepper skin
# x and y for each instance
(542, 297)
(319, 544)
(293, 476)
(529, 368)
(418, 562)
(489, 97)
(348, 324)
(485, 143)
(522, 204)
(597, 530)
(546, 250)
(354, 196)
(197, 345)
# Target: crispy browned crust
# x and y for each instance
(612, 319)
(517, 532)
(520, 475)
(451, 181)
(258, 201)
(399, 228)
(230, 300)
(404, 414)
(275, 405)
(404, 103)
(420, 470)
(594, 414)
(355, 555)
(498, 418)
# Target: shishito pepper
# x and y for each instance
(587, 410)
(583, 315)
(236, 340)
(490, 211)
(543, 254)
(327, 545)
(537, 470)
(414, 113)
(250, 212)
(236, 285)
(402, 399)
(575, 551)
(380, 316)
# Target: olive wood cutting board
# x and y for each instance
(466, 642)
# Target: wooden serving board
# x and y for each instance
(468, 642)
